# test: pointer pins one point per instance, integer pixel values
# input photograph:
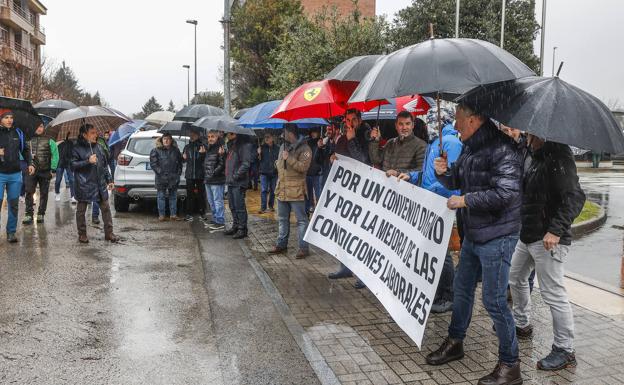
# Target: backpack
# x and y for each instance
(20, 134)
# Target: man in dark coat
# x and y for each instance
(315, 172)
(166, 161)
(237, 163)
(214, 179)
(92, 180)
(551, 199)
(268, 154)
(64, 170)
(489, 175)
(193, 155)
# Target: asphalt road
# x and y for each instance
(162, 307)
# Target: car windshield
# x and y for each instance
(143, 146)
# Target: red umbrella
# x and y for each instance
(321, 99)
(415, 104)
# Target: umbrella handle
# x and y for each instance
(442, 154)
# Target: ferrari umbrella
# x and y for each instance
(160, 117)
(24, 115)
(259, 116)
(53, 107)
(353, 69)
(321, 99)
(223, 123)
(551, 109)
(195, 111)
(102, 118)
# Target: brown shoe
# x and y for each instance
(302, 254)
(450, 350)
(163, 219)
(503, 374)
(83, 239)
(176, 218)
(112, 238)
(278, 250)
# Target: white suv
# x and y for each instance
(134, 178)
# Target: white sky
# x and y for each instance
(130, 50)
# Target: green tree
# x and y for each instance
(478, 19)
(313, 47)
(64, 83)
(256, 29)
(213, 98)
(171, 107)
(149, 107)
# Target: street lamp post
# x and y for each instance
(194, 22)
(188, 83)
(543, 37)
(227, 96)
(553, 63)
(502, 41)
(457, 18)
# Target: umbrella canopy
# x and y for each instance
(240, 113)
(124, 131)
(195, 111)
(102, 118)
(223, 123)
(448, 67)
(53, 107)
(260, 117)
(353, 69)
(176, 128)
(415, 104)
(321, 99)
(551, 109)
(160, 117)
(383, 112)
(24, 115)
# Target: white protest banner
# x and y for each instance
(391, 234)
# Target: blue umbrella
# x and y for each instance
(260, 117)
(124, 131)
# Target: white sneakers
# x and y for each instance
(57, 197)
(73, 201)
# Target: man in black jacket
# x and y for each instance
(12, 145)
(551, 199)
(92, 180)
(64, 170)
(315, 172)
(193, 155)
(166, 161)
(214, 179)
(268, 154)
(237, 163)
(489, 175)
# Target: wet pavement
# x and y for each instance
(597, 257)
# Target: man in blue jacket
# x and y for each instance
(452, 147)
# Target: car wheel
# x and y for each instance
(121, 204)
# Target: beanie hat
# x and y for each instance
(4, 112)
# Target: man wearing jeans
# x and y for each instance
(292, 167)
(551, 199)
(214, 180)
(489, 175)
(166, 161)
(268, 154)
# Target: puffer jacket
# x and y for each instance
(401, 155)
(489, 175)
(552, 196)
(214, 165)
(291, 173)
(45, 153)
(238, 161)
(167, 165)
(268, 156)
(194, 160)
(90, 180)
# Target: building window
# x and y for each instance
(4, 35)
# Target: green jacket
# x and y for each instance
(44, 150)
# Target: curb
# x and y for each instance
(590, 225)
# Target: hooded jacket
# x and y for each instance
(90, 180)
(291, 173)
(489, 175)
(214, 164)
(194, 160)
(15, 146)
(238, 161)
(167, 164)
(552, 196)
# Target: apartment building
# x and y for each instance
(21, 38)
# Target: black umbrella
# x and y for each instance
(223, 123)
(551, 109)
(195, 111)
(53, 107)
(24, 115)
(353, 69)
(176, 128)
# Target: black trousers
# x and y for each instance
(41, 179)
(236, 200)
(195, 197)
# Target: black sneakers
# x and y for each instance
(557, 359)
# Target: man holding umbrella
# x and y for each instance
(12, 146)
(237, 163)
(92, 180)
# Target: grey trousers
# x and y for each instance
(549, 268)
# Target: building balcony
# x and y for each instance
(38, 37)
(16, 55)
(16, 17)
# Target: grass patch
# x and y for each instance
(590, 210)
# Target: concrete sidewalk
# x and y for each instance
(362, 344)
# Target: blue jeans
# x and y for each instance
(313, 185)
(214, 193)
(13, 185)
(161, 197)
(69, 180)
(493, 258)
(283, 219)
(268, 183)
